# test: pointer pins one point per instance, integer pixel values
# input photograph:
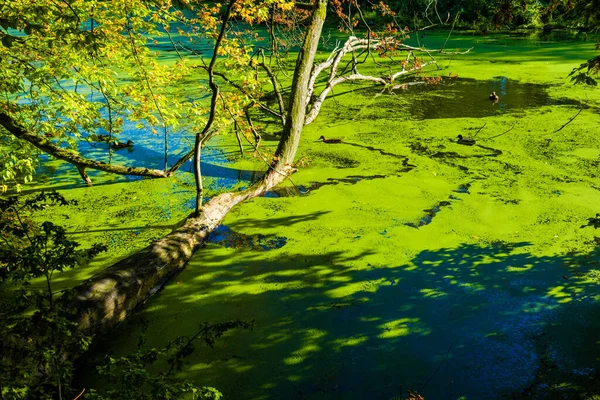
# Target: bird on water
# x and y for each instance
(494, 97)
(121, 145)
(467, 141)
(330, 140)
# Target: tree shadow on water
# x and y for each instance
(480, 321)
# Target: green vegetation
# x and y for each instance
(356, 292)
(396, 261)
(487, 15)
(40, 341)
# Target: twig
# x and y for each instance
(80, 394)
(235, 125)
(479, 130)
(251, 125)
(503, 133)
(451, 30)
(438, 367)
(569, 121)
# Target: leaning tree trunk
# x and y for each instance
(107, 298)
(290, 138)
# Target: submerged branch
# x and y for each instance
(72, 157)
(569, 121)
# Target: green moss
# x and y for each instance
(359, 302)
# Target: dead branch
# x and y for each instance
(275, 84)
(237, 136)
(387, 80)
(503, 133)
(569, 121)
(257, 137)
(352, 45)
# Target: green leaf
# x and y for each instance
(7, 41)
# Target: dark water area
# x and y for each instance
(433, 211)
(429, 215)
(224, 236)
(468, 98)
(301, 190)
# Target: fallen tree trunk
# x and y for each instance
(107, 298)
(81, 163)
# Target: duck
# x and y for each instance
(99, 138)
(494, 96)
(121, 145)
(331, 140)
(467, 141)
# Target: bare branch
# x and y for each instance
(205, 134)
(367, 45)
(73, 158)
(257, 137)
(275, 84)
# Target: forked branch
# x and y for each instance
(368, 45)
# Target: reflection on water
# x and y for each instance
(224, 236)
(468, 98)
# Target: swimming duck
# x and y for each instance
(98, 138)
(467, 141)
(331, 140)
(494, 96)
(121, 145)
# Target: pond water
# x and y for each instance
(468, 98)
(400, 259)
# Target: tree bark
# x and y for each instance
(296, 111)
(107, 298)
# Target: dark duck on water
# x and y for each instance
(330, 140)
(494, 97)
(467, 141)
(121, 145)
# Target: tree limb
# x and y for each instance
(314, 111)
(202, 136)
(352, 45)
(107, 298)
(72, 157)
(276, 89)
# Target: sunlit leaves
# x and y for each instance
(39, 338)
(253, 11)
(72, 69)
(587, 72)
